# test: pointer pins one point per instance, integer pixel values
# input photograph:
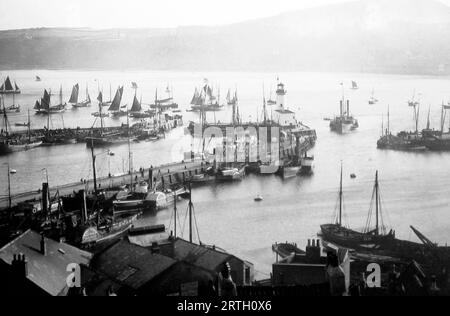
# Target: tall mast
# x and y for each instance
(130, 163)
(340, 199)
(190, 213)
(29, 127)
(389, 120)
(93, 166)
(175, 214)
(428, 120)
(9, 188)
(377, 196)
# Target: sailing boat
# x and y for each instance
(136, 110)
(12, 143)
(164, 104)
(205, 101)
(100, 105)
(232, 100)
(355, 85)
(74, 98)
(370, 237)
(14, 108)
(270, 101)
(372, 99)
(38, 78)
(45, 107)
(115, 108)
(8, 88)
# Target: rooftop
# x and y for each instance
(47, 271)
(130, 264)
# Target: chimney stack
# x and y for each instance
(45, 199)
(19, 266)
(43, 248)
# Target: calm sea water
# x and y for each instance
(415, 186)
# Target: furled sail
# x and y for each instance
(115, 105)
(136, 105)
(74, 95)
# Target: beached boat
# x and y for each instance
(230, 174)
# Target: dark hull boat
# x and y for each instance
(13, 143)
(344, 123)
(376, 238)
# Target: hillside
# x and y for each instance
(388, 36)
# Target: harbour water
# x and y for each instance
(415, 186)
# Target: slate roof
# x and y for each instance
(49, 271)
(200, 256)
(130, 265)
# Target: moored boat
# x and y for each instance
(8, 88)
(370, 238)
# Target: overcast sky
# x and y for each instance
(16, 14)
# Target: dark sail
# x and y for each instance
(17, 87)
(100, 97)
(136, 105)
(195, 97)
(8, 85)
(115, 105)
(45, 100)
(37, 105)
(74, 95)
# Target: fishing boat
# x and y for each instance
(345, 122)
(271, 101)
(164, 104)
(8, 88)
(204, 100)
(136, 110)
(354, 85)
(115, 109)
(10, 143)
(370, 238)
(38, 78)
(45, 107)
(373, 100)
(232, 99)
(74, 98)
